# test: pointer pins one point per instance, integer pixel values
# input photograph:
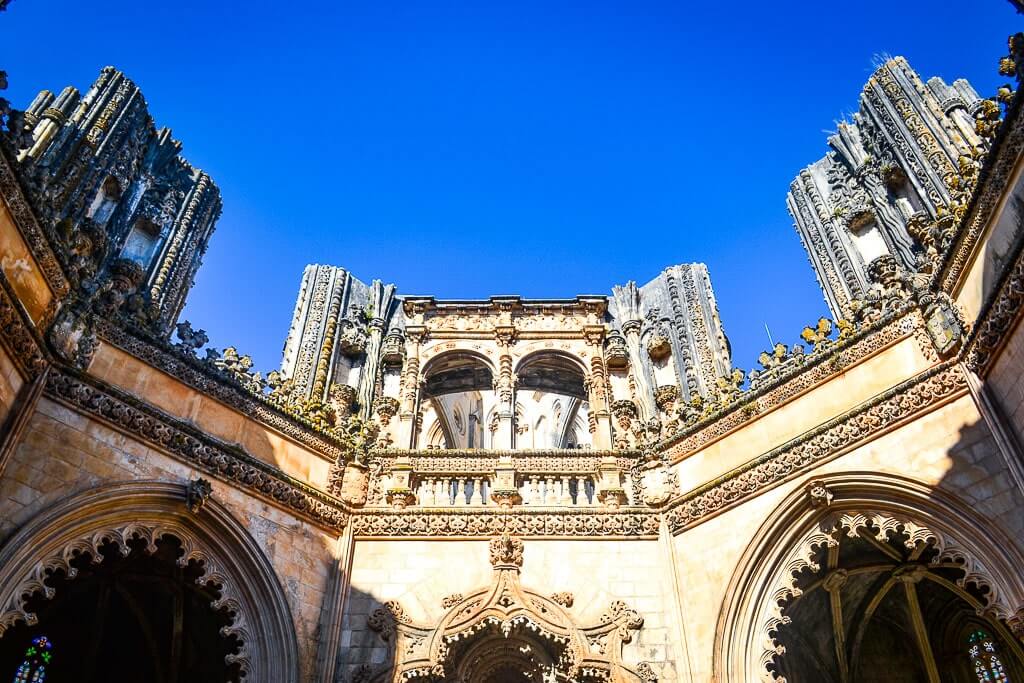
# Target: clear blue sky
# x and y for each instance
(545, 149)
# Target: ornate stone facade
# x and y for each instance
(581, 489)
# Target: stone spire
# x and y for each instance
(115, 189)
(895, 160)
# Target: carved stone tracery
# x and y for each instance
(483, 631)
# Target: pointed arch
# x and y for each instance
(786, 544)
(149, 511)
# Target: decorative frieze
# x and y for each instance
(527, 522)
(885, 411)
(141, 421)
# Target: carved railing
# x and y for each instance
(467, 478)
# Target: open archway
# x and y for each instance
(552, 401)
(156, 566)
(864, 577)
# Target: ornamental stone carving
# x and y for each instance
(473, 636)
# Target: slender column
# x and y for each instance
(333, 608)
(646, 407)
(677, 618)
(909, 576)
(415, 337)
(600, 414)
(995, 419)
(833, 584)
(504, 386)
(566, 497)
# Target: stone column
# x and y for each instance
(601, 418)
(504, 389)
(334, 608)
(644, 404)
(410, 403)
(368, 377)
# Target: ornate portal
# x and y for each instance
(506, 632)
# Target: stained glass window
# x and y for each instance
(981, 648)
(37, 658)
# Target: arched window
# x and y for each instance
(37, 658)
(981, 648)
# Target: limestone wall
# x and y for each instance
(213, 417)
(1004, 382)
(62, 453)
(419, 574)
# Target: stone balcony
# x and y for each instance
(441, 478)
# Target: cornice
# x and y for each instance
(31, 231)
(151, 426)
(882, 413)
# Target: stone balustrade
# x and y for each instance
(549, 478)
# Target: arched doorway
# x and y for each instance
(865, 576)
(123, 618)
(884, 605)
(133, 581)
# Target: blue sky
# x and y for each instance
(545, 149)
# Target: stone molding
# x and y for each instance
(25, 218)
(196, 374)
(142, 421)
(885, 504)
(815, 370)
(628, 523)
(18, 335)
(994, 178)
(148, 511)
(885, 411)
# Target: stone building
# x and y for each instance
(509, 489)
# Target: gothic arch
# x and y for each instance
(463, 361)
(849, 502)
(148, 511)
